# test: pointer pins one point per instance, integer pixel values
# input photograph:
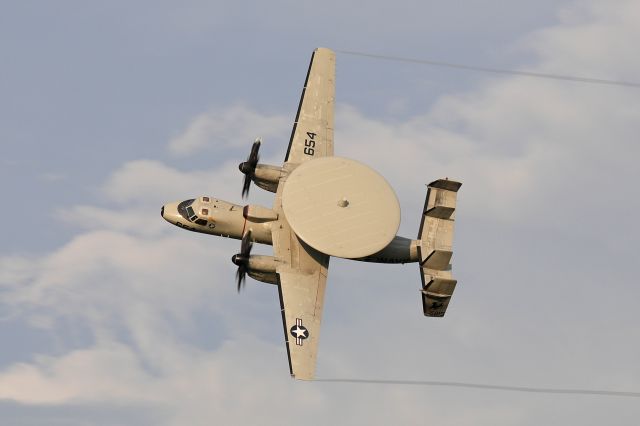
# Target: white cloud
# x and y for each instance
(131, 221)
(220, 129)
(593, 39)
(99, 374)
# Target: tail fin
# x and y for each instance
(435, 248)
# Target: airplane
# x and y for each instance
(324, 206)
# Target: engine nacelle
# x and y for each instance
(267, 177)
(256, 213)
(263, 268)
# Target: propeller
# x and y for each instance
(249, 167)
(242, 259)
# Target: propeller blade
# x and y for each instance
(253, 155)
(242, 259)
(240, 277)
(248, 168)
(246, 245)
(246, 184)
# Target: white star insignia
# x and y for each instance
(299, 332)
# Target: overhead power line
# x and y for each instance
(578, 79)
(487, 387)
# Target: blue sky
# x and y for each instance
(108, 315)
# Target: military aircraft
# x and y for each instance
(324, 206)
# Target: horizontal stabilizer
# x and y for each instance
(436, 295)
(438, 259)
(449, 185)
(440, 212)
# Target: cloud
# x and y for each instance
(130, 221)
(92, 374)
(219, 129)
(592, 39)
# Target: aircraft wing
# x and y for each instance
(302, 276)
(301, 300)
(312, 134)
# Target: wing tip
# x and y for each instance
(323, 49)
(309, 378)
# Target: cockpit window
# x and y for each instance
(182, 208)
(186, 211)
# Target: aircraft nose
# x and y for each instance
(169, 212)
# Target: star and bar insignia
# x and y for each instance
(299, 331)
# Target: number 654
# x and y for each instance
(309, 144)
